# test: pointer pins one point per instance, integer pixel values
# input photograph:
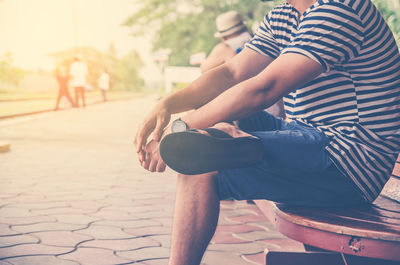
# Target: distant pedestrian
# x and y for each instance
(78, 72)
(61, 74)
(104, 83)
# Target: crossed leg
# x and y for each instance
(196, 212)
(296, 170)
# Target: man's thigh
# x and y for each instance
(295, 169)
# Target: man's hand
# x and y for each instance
(152, 159)
(154, 123)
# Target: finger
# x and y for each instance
(141, 137)
(146, 162)
(135, 141)
(153, 165)
(142, 155)
(161, 166)
(159, 128)
(143, 163)
(139, 141)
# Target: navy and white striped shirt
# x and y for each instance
(356, 100)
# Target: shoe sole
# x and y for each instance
(193, 153)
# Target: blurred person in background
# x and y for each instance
(234, 35)
(78, 72)
(61, 74)
(104, 83)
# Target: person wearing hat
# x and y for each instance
(337, 65)
(234, 35)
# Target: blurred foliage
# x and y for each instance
(188, 26)
(124, 73)
(390, 10)
(9, 73)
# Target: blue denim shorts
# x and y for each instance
(295, 168)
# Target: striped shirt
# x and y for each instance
(355, 102)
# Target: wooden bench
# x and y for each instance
(368, 235)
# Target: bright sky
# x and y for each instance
(30, 29)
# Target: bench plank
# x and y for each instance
(370, 231)
(337, 237)
(346, 221)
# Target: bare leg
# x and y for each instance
(68, 96)
(278, 109)
(83, 96)
(104, 95)
(58, 100)
(195, 218)
(76, 90)
(196, 211)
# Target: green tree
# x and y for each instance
(187, 26)
(127, 72)
(390, 10)
(9, 73)
(94, 59)
(124, 73)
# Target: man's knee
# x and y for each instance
(201, 183)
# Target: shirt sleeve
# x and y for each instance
(330, 34)
(263, 40)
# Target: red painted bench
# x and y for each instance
(368, 235)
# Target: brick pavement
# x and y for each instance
(72, 192)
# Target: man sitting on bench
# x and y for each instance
(337, 66)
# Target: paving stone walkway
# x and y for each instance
(73, 193)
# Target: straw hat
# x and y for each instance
(229, 23)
